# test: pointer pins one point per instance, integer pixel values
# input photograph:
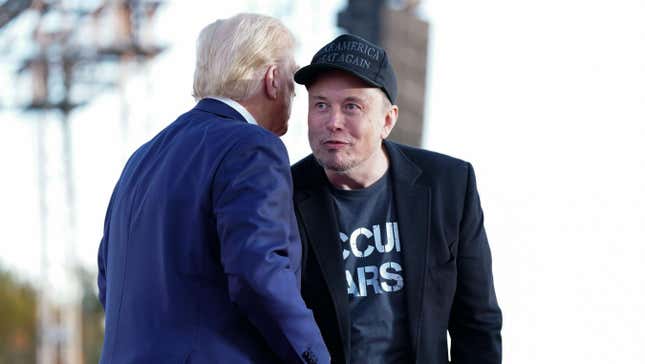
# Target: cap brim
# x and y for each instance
(307, 74)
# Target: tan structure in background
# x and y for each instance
(405, 37)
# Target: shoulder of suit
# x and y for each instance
(256, 132)
(221, 135)
(429, 161)
(239, 129)
(250, 137)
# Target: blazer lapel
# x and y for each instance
(412, 202)
(317, 211)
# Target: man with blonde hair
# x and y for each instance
(200, 256)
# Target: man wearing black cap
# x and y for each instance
(395, 252)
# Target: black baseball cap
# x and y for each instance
(357, 56)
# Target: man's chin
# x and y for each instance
(280, 132)
(334, 166)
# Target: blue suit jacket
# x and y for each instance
(200, 257)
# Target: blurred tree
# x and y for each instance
(17, 320)
(18, 324)
(93, 318)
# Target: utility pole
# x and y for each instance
(61, 53)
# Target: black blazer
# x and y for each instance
(447, 261)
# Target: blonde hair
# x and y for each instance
(232, 54)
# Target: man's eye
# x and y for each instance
(321, 106)
(352, 107)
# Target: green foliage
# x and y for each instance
(18, 320)
(18, 336)
(93, 318)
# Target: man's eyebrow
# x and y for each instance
(318, 97)
(355, 99)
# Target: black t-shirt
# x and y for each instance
(374, 273)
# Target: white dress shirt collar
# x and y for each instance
(237, 107)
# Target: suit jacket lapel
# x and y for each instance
(317, 211)
(412, 202)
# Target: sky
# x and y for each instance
(545, 99)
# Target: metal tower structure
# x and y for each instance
(70, 41)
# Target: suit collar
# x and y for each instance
(239, 108)
(402, 169)
(218, 108)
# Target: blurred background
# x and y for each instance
(546, 99)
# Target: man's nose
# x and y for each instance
(335, 119)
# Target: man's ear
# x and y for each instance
(271, 82)
(390, 121)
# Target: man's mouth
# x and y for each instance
(334, 143)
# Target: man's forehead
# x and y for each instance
(343, 94)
